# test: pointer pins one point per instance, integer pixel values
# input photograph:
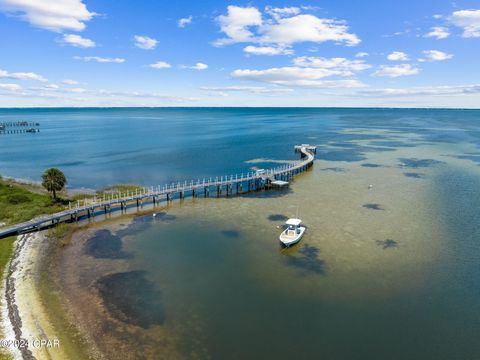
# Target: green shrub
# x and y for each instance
(15, 199)
(18, 204)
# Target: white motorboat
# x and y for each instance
(293, 233)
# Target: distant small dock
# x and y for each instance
(18, 127)
(224, 186)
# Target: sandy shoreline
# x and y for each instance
(49, 294)
(27, 330)
(107, 335)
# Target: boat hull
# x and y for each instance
(289, 240)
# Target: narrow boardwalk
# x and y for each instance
(19, 127)
(225, 185)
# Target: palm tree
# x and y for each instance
(53, 180)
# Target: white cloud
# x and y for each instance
(285, 28)
(396, 71)
(325, 84)
(10, 87)
(361, 54)
(282, 75)
(100, 59)
(435, 55)
(250, 89)
(341, 66)
(78, 41)
(89, 97)
(70, 82)
(145, 95)
(184, 21)
(469, 20)
(267, 50)
(438, 32)
(198, 66)
(160, 65)
(236, 23)
(51, 87)
(295, 76)
(308, 71)
(397, 56)
(21, 76)
(145, 42)
(307, 28)
(424, 91)
(55, 15)
(77, 90)
(282, 12)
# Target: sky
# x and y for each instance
(331, 53)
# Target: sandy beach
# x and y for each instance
(28, 333)
(42, 285)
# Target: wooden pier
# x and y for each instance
(19, 127)
(220, 186)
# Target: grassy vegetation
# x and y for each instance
(121, 188)
(18, 204)
(81, 196)
(114, 189)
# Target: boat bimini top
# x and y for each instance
(294, 222)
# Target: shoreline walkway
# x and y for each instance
(220, 186)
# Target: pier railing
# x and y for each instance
(221, 185)
(185, 186)
(17, 127)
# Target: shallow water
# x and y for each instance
(387, 271)
(100, 147)
(362, 284)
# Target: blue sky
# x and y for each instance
(256, 53)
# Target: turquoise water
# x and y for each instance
(98, 147)
(387, 272)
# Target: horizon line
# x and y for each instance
(237, 107)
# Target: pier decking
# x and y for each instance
(219, 186)
(19, 127)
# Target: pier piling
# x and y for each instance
(254, 181)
